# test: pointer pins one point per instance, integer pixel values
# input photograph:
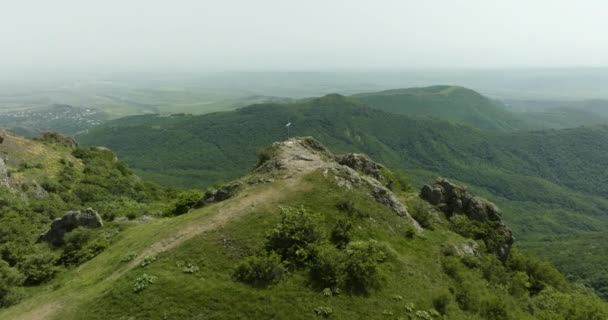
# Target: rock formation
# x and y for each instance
(453, 200)
(87, 218)
(298, 156)
(362, 163)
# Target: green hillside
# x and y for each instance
(307, 237)
(551, 180)
(42, 179)
(448, 103)
(561, 114)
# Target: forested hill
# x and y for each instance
(551, 179)
(450, 103)
(199, 150)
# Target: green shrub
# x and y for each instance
(260, 271)
(82, 244)
(442, 301)
(190, 268)
(494, 308)
(422, 214)
(143, 281)
(540, 274)
(340, 234)
(348, 207)
(324, 312)
(361, 266)
(328, 267)
(396, 181)
(147, 261)
(10, 278)
(184, 202)
(294, 237)
(38, 267)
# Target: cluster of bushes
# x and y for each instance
(487, 231)
(397, 181)
(299, 242)
(183, 203)
(535, 284)
(101, 182)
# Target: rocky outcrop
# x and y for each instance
(361, 163)
(297, 156)
(87, 218)
(454, 200)
(222, 193)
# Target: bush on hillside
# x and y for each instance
(396, 181)
(38, 267)
(142, 282)
(328, 267)
(294, 237)
(184, 202)
(361, 273)
(82, 244)
(422, 214)
(260, 271)
(10, 278)
(341, 233)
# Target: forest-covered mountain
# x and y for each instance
(450, 103)
(342, 235)
(552, 179)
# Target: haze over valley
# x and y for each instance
(318, 160)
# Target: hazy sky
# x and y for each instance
(301, 35)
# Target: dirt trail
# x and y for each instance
(296, 160)
(227, 211)
(231, 209)
(45, 311)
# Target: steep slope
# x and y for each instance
(310, 235)
(49, 185)
(551, 180)
(449, 103)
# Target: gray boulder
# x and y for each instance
(453, 199)
(362, 163)
(87, 218)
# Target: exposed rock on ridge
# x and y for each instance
(453, 199)
(298, 156)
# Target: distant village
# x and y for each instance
(63, 118)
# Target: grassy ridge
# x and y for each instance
(551, 179)
(416, 279)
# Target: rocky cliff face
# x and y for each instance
(297, 156)
(452, 200)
